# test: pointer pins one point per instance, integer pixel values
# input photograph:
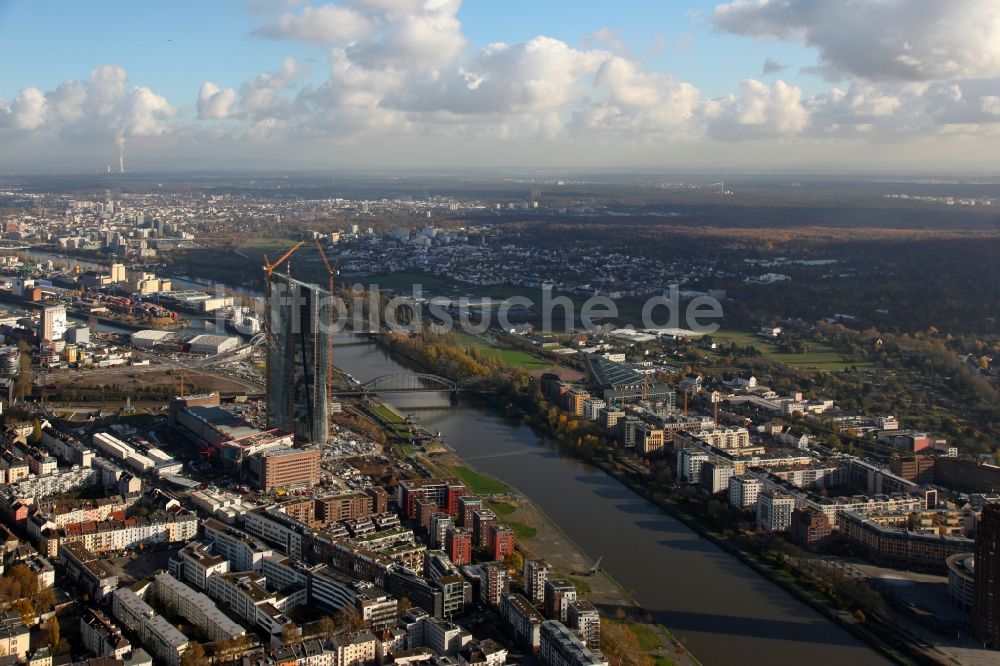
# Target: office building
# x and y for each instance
(986, 602)
(297, 358)
(285, 467)
(53, 323)
(962, 580)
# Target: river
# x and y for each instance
(723, 611)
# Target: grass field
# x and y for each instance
(501, 508)
(479, 483)
(515, 358)
(387, 415)
(521, 531)
(648, 639)
(821, 357)
(582, 586)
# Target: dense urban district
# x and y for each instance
(193, 474)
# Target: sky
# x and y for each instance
(845, 85)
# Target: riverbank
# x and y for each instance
(763, 631)
(540, 537)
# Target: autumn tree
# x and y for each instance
(194, 655)
(53, 633)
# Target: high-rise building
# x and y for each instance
(297, 358)
(499, 541)
(536, 572)
(986, 603)
(53, 323)
(494, 582)
(118, 273)
(458, 545)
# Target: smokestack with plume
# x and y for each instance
(120, 141)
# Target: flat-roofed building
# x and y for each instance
(285, 467)
(524, 620)
(560, 646)
(196, 608)
(244, 552)
(89, 570)
(195, 563)
(559, 594)
(585, 620)
(536, 572)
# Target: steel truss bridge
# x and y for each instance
(417, 382)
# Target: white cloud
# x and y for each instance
(215, 103)
(100, 107)
(327, 24)
(990, 104)
(757, 111)
(888, 40)
(609, 38)
(26, 112)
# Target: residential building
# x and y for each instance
(536, 572)
(499, 541)
(355, 649)
(561, 647)
(458, 545)
(196, 608)
(162, 638)
(559, 594)
(585, 620)
(445, 493)
(244, 552)
(810, 528)
(101, 636)
(524, 620)
(743, 491)
(774, 511)
(494, 582)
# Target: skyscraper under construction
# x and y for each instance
(297, 352)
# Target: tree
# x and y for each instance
(54, 633)
(27, 611)
(290, 633)
(194, 655)
(22, 387)
(349, 619)
(326, 627)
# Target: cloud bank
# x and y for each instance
(403, 70)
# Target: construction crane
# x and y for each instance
(331, 271)
(269, 268)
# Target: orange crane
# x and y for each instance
(269, 267)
